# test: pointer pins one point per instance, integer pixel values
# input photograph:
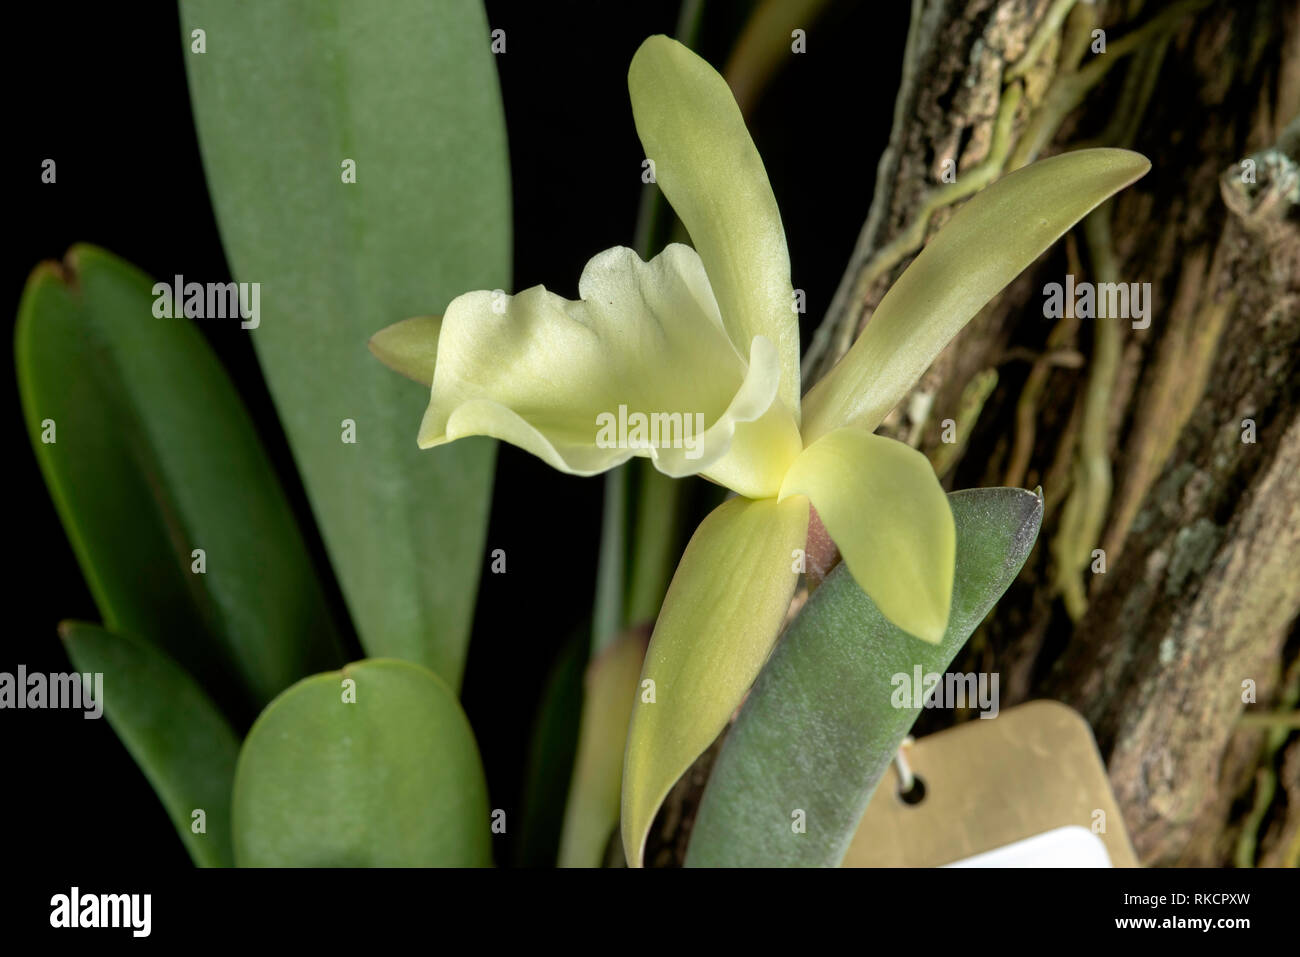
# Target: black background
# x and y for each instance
(101, 89)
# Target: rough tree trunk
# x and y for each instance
(1135, 435)
(1143, 428)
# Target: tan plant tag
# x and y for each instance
(1025, 789)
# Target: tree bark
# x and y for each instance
(1138, 436)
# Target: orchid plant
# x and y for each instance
(712, 331)
(229, 675)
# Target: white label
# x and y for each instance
(1071, 846)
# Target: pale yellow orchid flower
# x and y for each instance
(710, 334)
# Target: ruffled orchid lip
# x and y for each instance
(682, 450)
(542, 373)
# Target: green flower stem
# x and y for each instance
(655, 543)
(591, 812)
(611, 570)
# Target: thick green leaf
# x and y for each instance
(154, 456)
(287, 92)
(173, 730)
(820, 727)
(371, 766)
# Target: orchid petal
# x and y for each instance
(409, 347)
(883, 505)
(562, 379)
(706, 164)
(719, 621)
(986, 244)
